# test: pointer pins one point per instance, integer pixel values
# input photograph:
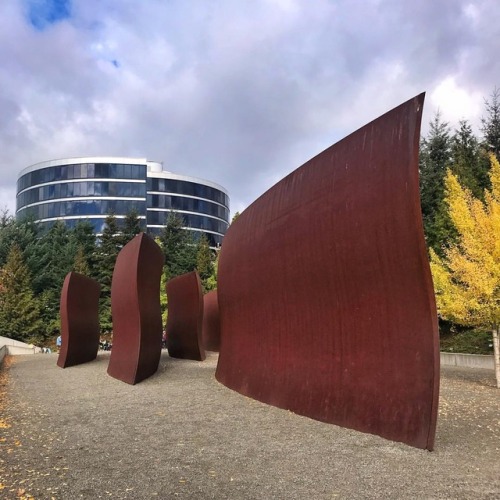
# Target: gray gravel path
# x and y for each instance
(78, 433)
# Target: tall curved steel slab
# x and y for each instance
(185, 314)
(210, 331)
(135, 306)
(79, 310)
(325, 293)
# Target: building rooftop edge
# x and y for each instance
(154, 168)
(74, 160)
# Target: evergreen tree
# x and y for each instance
(5, 218)
(107, 252)
(204, 260)
(24, 233)
(19, 309)
(179, 247)
(211, 281)
(51, 258)
(131, 226)
(491, 124)
(435, 156)
(82, 239)
(80, 265)
(467, 162)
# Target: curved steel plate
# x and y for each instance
(79, 310)
(185, 314)
(325, 293)
(135, 305)
(210, 331)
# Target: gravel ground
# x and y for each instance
(78, 433)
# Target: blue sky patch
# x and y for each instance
(43, 13)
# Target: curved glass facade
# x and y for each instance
(90, 188)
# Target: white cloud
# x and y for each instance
(237, 92)
(457, 103)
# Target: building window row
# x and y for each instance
(214, 240)
(81, 171)
(56, 209)
(187, 204)
(189, 220)
(75, 189)
(174, 186)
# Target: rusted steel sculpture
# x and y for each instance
(135, 306)
(79, 309)
(325, 294)
(185, 314)
(210, 330)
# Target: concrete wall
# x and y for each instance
(13, 347)
(468, 360)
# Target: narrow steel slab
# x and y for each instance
(185, 315)
(79, 309)
(135, 306)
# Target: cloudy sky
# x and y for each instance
(240, 92)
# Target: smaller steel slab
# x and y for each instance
(79, 310)
(185, 313)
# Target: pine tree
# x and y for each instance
(80, 265)
(211, 281)
(24, 233)
(467, 278)
(204, 260)
(19, 309)
(435, 156)
(467, 162)
(131, 226)
(107, 252)
(50, 259)
(491, 124)
(82, 239)
(179, 247)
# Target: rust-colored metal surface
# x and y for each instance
(325, 294)
(185, 314)
(135, 306)
(79, 310)
(210, 330)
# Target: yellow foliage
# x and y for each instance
(467, 280)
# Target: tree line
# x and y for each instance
(34, 262)
(460, 197)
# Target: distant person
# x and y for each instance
(59, 342)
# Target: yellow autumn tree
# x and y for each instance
(467, 279)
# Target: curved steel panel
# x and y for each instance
(135, 306)
(185, 314)
(79, 309)
(325, 293)
(210, 330)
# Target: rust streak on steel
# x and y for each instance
(185, 314)
(210, 331)
(135, 305)
(79, 309)
(325, 293)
